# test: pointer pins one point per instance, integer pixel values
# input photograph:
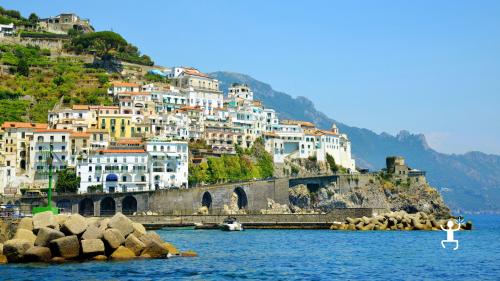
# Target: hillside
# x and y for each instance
(468, 182)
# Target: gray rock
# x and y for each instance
(92, 247)
(14, 249)
(150, 236)
(44, 219)
(134, 244)
(45, 235)
(113, 238)
(24, 234)
(66, 247)
(122, 223)
(92, 232)
(38, 254)
(74, 225)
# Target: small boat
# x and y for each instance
(231, 224)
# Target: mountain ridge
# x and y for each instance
(468, 181)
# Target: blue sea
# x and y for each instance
(299, 255)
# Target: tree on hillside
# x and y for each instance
(33, 18)
(23, 67)
(102, 43)
(67, 181)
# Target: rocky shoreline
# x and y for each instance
(53, 238)
(397, 221)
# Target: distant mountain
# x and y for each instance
(468, 182)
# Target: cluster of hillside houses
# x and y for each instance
(141, 142)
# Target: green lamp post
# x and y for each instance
(49, 207)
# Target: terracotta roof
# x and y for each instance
(24, 125)
(195, 72)
(121, 151)
(52, 131)
(79, 135)
(80, 107)
(124, 84)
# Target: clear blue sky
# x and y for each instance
(430, 67)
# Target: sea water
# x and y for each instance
(299, 255)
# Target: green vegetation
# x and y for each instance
(95, 188)
(67, 181)
(151, 77)
(107, 45)
(254, 163)
(12, 16)
(331, 162)
(38, 82)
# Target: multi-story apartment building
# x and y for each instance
(157, 165)
(78, 118)
(120, 87)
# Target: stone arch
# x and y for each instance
(108, 206)
(64, 205)
(129, 205)
(242, 197)
(86, 207)
(206, 200)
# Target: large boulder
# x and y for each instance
(25, 235)
(155, 249)
(3, 259)
(171, 248)
(134, 244)
(45, 235)
(74, 225)
(122, 253)
(103, 225)
(14, 249)
(67, 247)
(1, 248)
(139, 229)
(92, 247)
(44, 219)
(92, 232)
(26, 223)
(122, 223)
(151, 236)
(93, 221)
(37, 254)
(61, 218)
(113, 238)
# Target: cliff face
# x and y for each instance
(371, 192)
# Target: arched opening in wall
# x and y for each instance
(242, 197)
(129, 205)
(108, 206)
(206, 201)
(86, 207)
(64, 206)
(313, 187)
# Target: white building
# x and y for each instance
(7, 29)
(162, 164)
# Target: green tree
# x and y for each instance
(33, 18)
(198, 173)
(23, 68)
(331, 162)
(103, 43)
(67, 181)
(216, 170)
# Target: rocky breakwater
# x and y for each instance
(58, 238)
(397, 221)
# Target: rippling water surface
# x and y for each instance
(299, 255)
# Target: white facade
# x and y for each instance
(162, 164)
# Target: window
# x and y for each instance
(63, 157)
(63, 138)
(90, 168)
(90, 178)
(40, 158)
